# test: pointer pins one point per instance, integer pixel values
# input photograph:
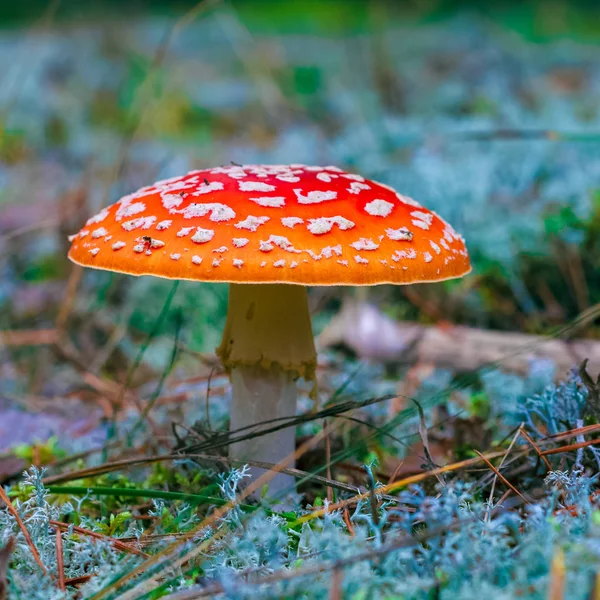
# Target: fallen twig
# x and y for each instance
(501, 477)
(26, 535)
(60, 560)
(395, 485)
(571, 447)
(131, 462)
(556, 583)
(535, 447)
(117, 544)
(28, 337)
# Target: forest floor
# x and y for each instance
(453, 455)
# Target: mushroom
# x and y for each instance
(270, 231)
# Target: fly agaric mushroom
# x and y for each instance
(270, 231)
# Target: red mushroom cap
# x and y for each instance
(272, 224)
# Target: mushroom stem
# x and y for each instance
(267, 345)
(260, 395)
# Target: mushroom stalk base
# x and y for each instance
(267, 344)
(269, 324)
(260, 395)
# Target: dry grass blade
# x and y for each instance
(26, 535)
(150, 539)
(394, 474)
(556, 584)
(117, 544)
(60, 561)
(28, 337)
(107, 468)
(74, 581)
(535, 447)
(501, 477)
(142, 103)
(595, 588)
(491, 497)
(395, 485)
(571, 447)
(5, 554)
(50, 224)
(348, 522)
(105, 387)
(328, 459)
(132, 462)
(335, 592)
(221, 440)
(67, 304)
(425, 441)
(565, 435)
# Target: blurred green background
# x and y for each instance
(485, 112)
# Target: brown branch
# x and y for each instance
(117, 544)
(26, 535)
(558, 574)
(327, 459)
(501, 477)
(337, 578)
(395, 485)
(535, 447)
(69, 299)
(571, 447)
(130, 462)
(74, 581)
(564, 435)
(60, 561)
(348, 522)
(28, 337)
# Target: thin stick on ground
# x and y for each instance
(571, 447)
(28, 337)
(565, 435)
(60, 560)
(69, 299)
(74, 581)
(327, 459)
(491, 498)
(348, 522)
(395, 485)
(501, 477)
(535, 447)
(24, 531)
(117, 544)
(337, 578)
(556, 583)
(207, 399)
(504, 496)
(223, 460)
(394, 474)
